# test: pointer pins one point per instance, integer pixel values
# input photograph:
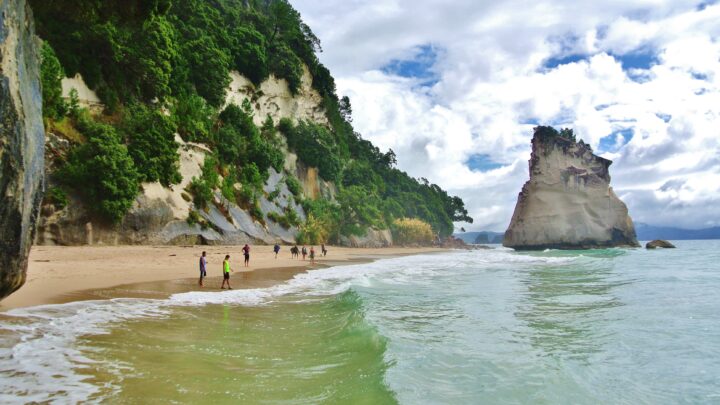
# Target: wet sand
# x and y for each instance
(58, 274)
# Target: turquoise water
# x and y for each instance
(603, 326)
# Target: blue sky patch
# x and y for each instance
(664, 117)
(636, 60)
(554, 62)
(420, 67)
(703, 5)
(531, 121)
(609, 143)
(481, 162)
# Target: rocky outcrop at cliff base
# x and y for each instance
(568, 202)
(21, 141)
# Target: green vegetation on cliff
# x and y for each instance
(162, 67)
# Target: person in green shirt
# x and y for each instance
(226, 273)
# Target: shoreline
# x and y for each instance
(62, 274)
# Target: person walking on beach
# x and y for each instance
(203, 269)
(226, 273)
(312, 254)
(276, 249)
(246, 253)
(304, 252)
(323, 250)
(294, 252)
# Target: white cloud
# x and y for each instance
(492, 87)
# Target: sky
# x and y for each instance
(456, 87)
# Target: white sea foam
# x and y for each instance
(40, 357)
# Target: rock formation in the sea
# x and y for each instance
(657, 243)
(568, 202)
(21, 141)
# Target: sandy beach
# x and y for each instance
(58, 274)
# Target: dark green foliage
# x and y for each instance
(73, 104)
(567, 133)
(288, 219)
(273, 194)
(251, 177)
(287, 66)
(359, 209)
(51, 73)
(546, 133)
(142, 50)
(151, 142)
(327, 211)
(250, 53)
(193, 217)
(102, 170)
(293, 186)
(180, 53)
(240, 142)
(202, 188)
(154, 57)
(209, 69)
(57, 197)
(314, 145)
(227, 188)
(193, 118)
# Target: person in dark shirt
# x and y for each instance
(246, 252)
(203, 269)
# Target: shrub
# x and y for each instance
(411, 231)
(193, 118)
(273, 194)
(51, 73)
(314, 231)
(227, 188)
(286, 65)
(328, 212)
(293, 186)
(314, 145)
(255, 212)
(57, 197)
(103, 171)
(73, 105)
(193, 217)
(250, 176)
(240, 142)
(202, 188)
(287, 220)
(250, 53)
(151, 144)
(209, 68)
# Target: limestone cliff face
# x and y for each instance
(568, 202)
(21, 141)
(159, 215)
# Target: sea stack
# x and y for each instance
(568, 202)
(22, 141)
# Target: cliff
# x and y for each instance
(21, 141)
(568, 202)
(209, 122)
(160, 213)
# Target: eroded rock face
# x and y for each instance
(568, 202)
(21, 141)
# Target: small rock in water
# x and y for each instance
(657, 243)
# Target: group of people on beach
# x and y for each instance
(294, 251)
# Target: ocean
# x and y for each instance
(614, 326)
